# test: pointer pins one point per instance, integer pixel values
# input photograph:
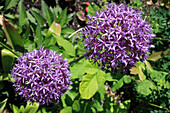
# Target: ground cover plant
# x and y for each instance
(84, 56)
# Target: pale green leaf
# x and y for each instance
(89, 68)
(145, 87)
(88, 86)
(2, 105)
(66, 110)
(78, 70)
(101, 77)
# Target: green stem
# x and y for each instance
(159, 107)
(75, 32)
(75, 61)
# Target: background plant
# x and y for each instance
(144, 89)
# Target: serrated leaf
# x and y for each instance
(88, 87)
(76, 106)
(47, 14)
(89, 68)
(78, 70)
(7, 60)
(10, 3)
(155, 56)
(2, 105)
(66, 110)
(145, 87)
(36, 13)
(22, 14)
(148, 65)
(138, 70)
(66, 45)
(12, 35)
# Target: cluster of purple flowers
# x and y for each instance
(41, 76)
(117, 37)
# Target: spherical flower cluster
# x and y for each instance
(41, 76)
(117, 37)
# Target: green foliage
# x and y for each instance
(2, 105)
(147, 84)
(30, 108)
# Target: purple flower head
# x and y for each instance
(41, 76)
(117, 37)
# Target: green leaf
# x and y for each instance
(101, 90)
(76, 106)
(47, 14)
(89, 68)
(22, 14)
(98, 106)
(67, 31)
(12, 35)
(66, 45)
(36, 13)
(7, 60)
(145, 87)
(118, 85)
(62, 18)
(66, 110)
(10, 3)
(31, 108)
(92, 9)
(38, 37)
(78, 70)
(2, 105)
(88, 86)
(66, 100)
(127, 80)
(31, 18)
(15, 109)
(101, 77)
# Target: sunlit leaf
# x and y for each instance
(66, 110)
(7, 60)
(2, 105)
(31, 108)
(89, 68)
(148, 65)
(88, 87)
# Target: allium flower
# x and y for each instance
(41, 76)
(117, 37)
